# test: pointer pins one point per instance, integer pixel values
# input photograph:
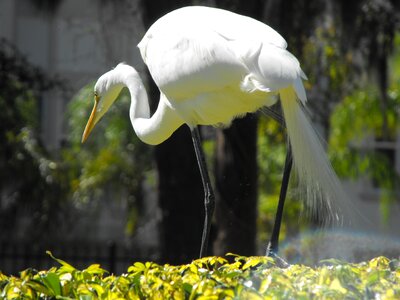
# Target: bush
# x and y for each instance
(211, 278)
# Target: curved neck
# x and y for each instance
(161, 125)
(139, 101)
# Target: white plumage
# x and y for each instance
(207, 60)
(211, 66)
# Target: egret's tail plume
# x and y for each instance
(317, 180)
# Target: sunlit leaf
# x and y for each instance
(66, 266)
(53, 284)
(212, 278)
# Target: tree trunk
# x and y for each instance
(236, 170)
(180, 195)
(236, 186)
(180, 192)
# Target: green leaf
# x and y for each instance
(246, 278)
(38, 286)
(67, 267)
(52, 282)
(95, 270)
(187, 287)
(137, 267)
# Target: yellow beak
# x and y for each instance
(91, 123)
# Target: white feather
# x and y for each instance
(322, 189)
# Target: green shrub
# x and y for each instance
(211, 278)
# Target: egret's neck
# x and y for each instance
(139, 101)
(161, 125)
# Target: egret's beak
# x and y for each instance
(92, 121)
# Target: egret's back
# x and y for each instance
(193, 19)
(211, 63)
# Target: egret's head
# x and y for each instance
(106, 90)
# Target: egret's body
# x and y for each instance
(209, 61)
(212, 66)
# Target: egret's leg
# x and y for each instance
(273, 245)
(209, 199)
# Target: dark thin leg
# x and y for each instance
(209, 199)
(273, 245)
(268, 111)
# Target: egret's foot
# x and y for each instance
(279, 260)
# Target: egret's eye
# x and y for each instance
(96, 97)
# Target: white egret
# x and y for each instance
(212, 66)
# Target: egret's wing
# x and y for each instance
(230, 25)
(192, 20)
(235, 27)
(191, 59)
(199, 49)
(269, 67)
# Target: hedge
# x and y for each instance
(233, 277)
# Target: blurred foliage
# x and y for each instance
(211, 278)
(32, 179)
(29, 178)
(362, 131)
(339, 54)
(352, 155)
(112, 158)
(329, 71)
(357, 153)
(394, 62)
(375, 30)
